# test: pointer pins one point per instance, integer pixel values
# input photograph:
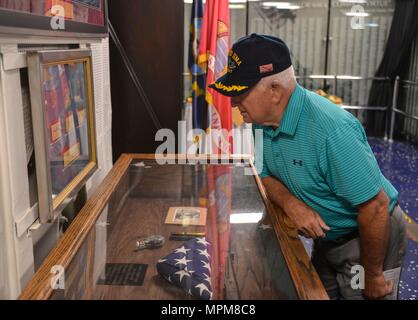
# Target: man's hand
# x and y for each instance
(376, 287)
(307, 221)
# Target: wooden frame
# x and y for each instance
(38, 64)
(306, 280)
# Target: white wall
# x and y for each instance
(16, 214)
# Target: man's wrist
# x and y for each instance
(373, 273)
(288, 202)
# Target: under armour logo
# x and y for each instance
(300, 162)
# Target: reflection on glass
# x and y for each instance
(408, 98)
(66, 104)
(358, 35)
(301, 24)
(237, 218)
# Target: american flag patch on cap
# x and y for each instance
(266, 68)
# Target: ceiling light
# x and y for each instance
(237, 6)
(353, 1)
(349, 77)
(320, 76)
(357, 14)
(280, 5)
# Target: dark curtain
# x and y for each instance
(395, 61)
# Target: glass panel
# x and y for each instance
(86, 11)
(301, 24)
(408, 101)
(238, 16)
(358, 35)
(245, 257)
(66, 103)
(410, 97)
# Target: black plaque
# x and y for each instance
(123, 274)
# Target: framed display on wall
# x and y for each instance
(84, 18)
(61, 89)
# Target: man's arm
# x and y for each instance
(307, 221)
(374, 225)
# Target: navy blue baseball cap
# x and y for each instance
(251, 58)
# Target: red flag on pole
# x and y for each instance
(213, 56)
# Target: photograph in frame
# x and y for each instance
(186, 216)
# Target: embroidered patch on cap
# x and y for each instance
(266, 68)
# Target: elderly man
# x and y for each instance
(319, 168)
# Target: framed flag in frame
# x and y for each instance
(62, 103)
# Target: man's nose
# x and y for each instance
(234, 104)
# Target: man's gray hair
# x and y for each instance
(286, 79)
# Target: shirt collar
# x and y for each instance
(292, 114)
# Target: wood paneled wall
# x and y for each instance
(152, 35)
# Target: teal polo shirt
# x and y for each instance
(321, 154)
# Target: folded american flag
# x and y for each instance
(189, 268)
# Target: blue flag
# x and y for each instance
(189, 267)
(197, 74)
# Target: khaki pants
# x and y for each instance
(333, 262)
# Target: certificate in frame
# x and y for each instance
(62, 103)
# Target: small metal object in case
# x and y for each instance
(153, 241)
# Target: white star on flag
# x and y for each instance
(182, 250)
(202, 241)
(265, 226)
(207, 278)
(189, 271)
(202, 288)
(182, 273)
(182, 261)
(162, 260)
(205, 265)
(204, 253)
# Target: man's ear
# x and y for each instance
(275, 84)
(275, 90)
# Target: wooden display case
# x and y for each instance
(256, 254)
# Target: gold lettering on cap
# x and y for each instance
(236, 59)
